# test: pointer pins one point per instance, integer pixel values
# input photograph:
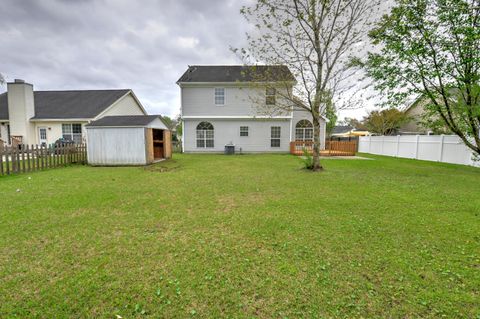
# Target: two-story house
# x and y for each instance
(223, 105)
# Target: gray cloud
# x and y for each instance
(143, 45)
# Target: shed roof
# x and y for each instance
(234, 73)
(124, 121)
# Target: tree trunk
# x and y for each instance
(316, 145)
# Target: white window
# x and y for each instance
(219, 96)
(304, 131)
(270, 96)
(72, 132)
(205, 135)
(243, 130)
(275, 136)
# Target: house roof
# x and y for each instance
(340, 129)
(124, 120)
(78, 104)
(236, 73)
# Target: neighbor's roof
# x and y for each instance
(340, 129)
(79, 104)
(234, 73)
(124, 120)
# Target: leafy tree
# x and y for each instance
(431, 48)
(356, 124)
(179, 127)
(315, 39)
(173, 126)
(331, 115)
(385, 122)
(169, 122)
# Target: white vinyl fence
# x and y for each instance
(439, 148)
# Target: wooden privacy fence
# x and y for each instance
(29, 158)
(332, 148)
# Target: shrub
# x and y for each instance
(307, 159)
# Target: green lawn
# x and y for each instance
(251, 236)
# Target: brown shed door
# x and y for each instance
(149, 145)
(167, 137)
(158, 144)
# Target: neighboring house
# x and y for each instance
(42, 117)
(347, 131)
(223, 105)
(415, 112)
(416, 124)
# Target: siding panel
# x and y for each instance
(228, 131)
(116, 146)
(126, 106)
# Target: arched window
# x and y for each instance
(204, 135)
(304, 131)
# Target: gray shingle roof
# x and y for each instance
(340, 129)
(68, 104)
(234, 73)
(125, 120)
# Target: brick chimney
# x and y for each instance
(21, 108)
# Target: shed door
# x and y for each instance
(158, 144)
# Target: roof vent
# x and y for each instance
(19, 81)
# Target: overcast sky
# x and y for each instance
(143, 45)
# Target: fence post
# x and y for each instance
(7, 155)
(383, 142)
(398, 145)
(2, 151)
(440, 155)
(417, 138)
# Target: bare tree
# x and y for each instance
(316, 39)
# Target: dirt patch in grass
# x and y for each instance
(163, 166)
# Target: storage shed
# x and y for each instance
(128, 140)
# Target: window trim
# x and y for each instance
(247, 131)
(215, 96)
(204, 139)
(71, 133)
(269, 95)
(279, 138)
(304, 129)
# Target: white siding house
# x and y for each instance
(220, 106)
(42, 117)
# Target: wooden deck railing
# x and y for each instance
(29, 158)
(340, 148)
(297, 147)
(332, 148)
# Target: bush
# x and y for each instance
(307, 159)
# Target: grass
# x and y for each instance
(251, 236)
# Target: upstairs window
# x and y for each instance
(219, 96)
(275, 136)
(243, 130)
(72, 132)
(270, 96)
(304, 131)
